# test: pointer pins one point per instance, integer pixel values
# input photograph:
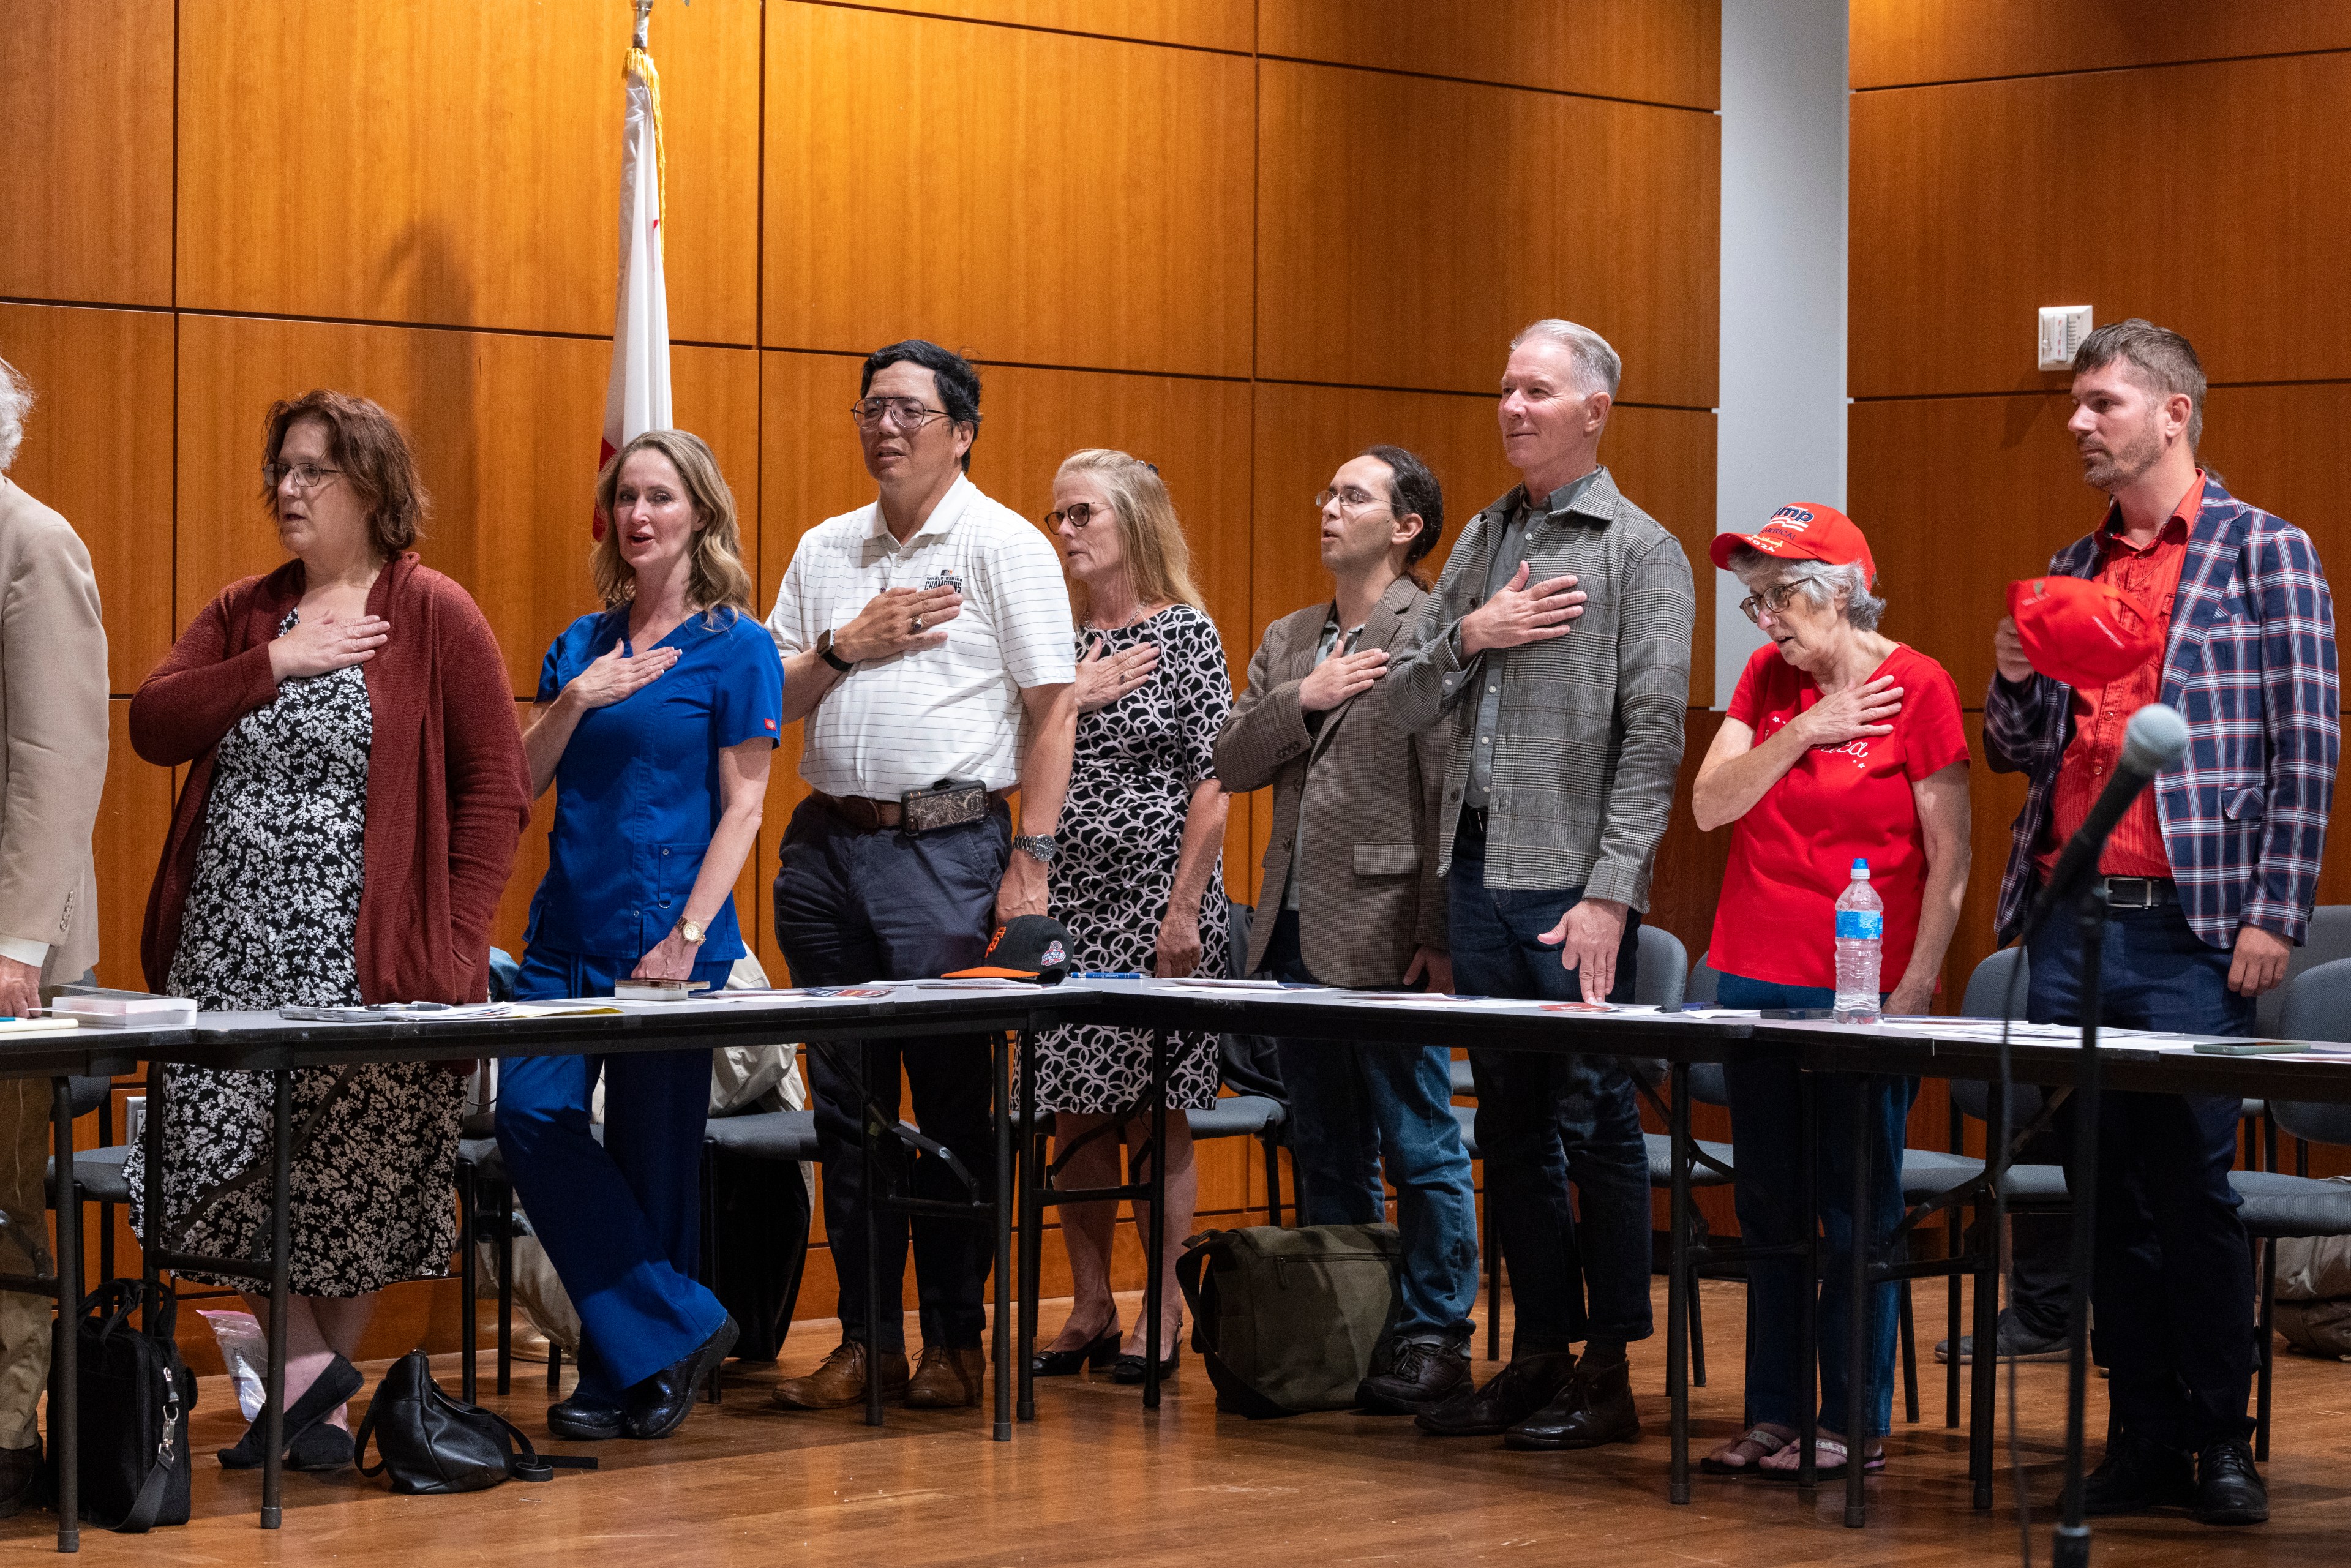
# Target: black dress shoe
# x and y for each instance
(1129, 1368)
(1102, 1352)
(1522, 1387)
(324, 1447)
(1596, 1408)
(660, 1405)
(331, 1388)
(585, 1418)
(2137, 1476)
(1417, 1377)
(2229, 1490)
(22, 1477)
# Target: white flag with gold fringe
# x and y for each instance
(636, 398)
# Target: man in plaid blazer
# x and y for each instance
(2210, 875)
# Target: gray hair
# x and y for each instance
(2161, 360)
(1596, 364)
(16, 402)
(1818, 581)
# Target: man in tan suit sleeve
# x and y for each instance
(52, 769)
(1352, 898)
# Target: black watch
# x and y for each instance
(824, 651)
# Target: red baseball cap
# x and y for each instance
(2081, 632)
(1802, 531)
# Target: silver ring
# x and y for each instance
(919, 623)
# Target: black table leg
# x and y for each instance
(1032, 1223)
(1808, 1300)
(1001, 1051)
(867, 1132)
(281, 1246)
(64, 1389)
(1154, 1282)
(1677, 1286)
(1861, 1240)
(1984, 1371)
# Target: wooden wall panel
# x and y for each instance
(98, 448)
(469, 174)
(503, 427)
(1409, 227)
(2209, 213)
(87, 181)
(1087, 203)
(1900, 43)
(134, 816)
(1659, 51)
(1201, 23)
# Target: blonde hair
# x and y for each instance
(718, 576)
(1151, 539)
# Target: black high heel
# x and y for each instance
(332, 1387)
(1102, 1352)
(1129, 1368)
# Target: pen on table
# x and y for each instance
(1112, 975)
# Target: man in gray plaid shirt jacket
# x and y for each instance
(2211, 875)
(1557, 646)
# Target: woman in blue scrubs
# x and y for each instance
(654, 722)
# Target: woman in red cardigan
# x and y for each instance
(356, 787)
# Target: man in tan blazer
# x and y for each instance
(1352, 898)
(52, 768)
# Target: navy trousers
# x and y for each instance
(852, 905)
(1545, 1121)
(2172, 1276)
(622, 1220)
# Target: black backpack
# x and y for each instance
(135, 1395)
(433, 1444)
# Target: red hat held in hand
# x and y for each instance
(2081, 632)
(1804, 530)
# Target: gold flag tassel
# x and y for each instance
(640, 63)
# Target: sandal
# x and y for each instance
(1763, 1438)
(1831, 1459)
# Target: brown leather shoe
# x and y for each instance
(947, 1379)
(841, 1381)
(1524, 1386)
(1594, 1407)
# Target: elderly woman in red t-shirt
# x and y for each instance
(1839, 745)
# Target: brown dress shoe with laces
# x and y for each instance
(947, 1379)
(841, 1381)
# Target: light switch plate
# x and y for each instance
(2062, 328)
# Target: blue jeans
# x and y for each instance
(622, 1220)
(2171, 1275)
(1768, 1151)
(1353, 1106)
(1546, 1120)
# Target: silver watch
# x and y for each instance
(1038, 846)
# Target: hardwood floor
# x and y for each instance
(1095, 1481)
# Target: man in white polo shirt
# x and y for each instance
(927, 641)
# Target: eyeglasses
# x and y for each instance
(1081, 514)
(305, 475)
(1774, 600)
(907, 414)
(1351, 498)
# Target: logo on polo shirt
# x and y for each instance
(770, 723)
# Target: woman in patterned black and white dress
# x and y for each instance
(1136, 881)
(356, 789)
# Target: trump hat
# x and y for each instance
(1025, 948)
(2081, 632)
(1803, 530)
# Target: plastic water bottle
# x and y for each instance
(1860, 930)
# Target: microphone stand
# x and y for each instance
(2071, 1548)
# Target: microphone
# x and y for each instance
(2155, 737)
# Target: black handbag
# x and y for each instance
(135, 1395)
(432, 1443)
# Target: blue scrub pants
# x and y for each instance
(622, 1220)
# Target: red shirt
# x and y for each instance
(2150, 577)
(1791, 854)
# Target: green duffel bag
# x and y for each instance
(1286, 1321)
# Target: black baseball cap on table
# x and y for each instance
(1026, 947)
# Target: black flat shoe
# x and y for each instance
(660, 1405)
(584, 1418)
(324, 1447)
(1129, 1368)
(332, 1387)
(1102, 1352)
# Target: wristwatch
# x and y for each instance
(690, 930)
(1040, 847)
(824, 651)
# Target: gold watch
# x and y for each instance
(688, 928)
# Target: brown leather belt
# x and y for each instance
(870, 815)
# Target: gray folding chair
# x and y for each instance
(2328, 939)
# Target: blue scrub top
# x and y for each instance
(636, 795)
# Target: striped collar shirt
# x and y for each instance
(949, 711)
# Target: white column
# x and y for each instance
(1780, 433)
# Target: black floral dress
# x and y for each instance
(271, 919)
(1137, 763)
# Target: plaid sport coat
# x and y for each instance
(2250, 663)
